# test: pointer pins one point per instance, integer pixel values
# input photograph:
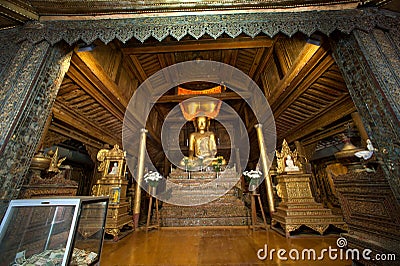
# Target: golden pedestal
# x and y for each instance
(114, 184)
(298, 207)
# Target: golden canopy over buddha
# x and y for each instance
(202, 143)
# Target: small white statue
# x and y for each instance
(366, 154)
(114, 169)
(290, 167)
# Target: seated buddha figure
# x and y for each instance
(290, 167)
(202, 146)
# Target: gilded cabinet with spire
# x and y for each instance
(298, 207)
(113, 183)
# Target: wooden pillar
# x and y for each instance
(368, 64)
(360, 126)
(167, 166)
(140, 173)
(32, 79)
(45, 130)
(264, 161)
(238, 162)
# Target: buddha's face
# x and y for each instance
(201, 123)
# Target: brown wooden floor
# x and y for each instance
(210, 246)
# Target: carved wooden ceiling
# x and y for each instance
(300, 79)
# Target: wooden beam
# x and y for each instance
(162, 59)
(263, 65)
(329, 90)
(221, 117)
(298, 87)
(92, 65)
(328, 132)
(92, 76)
(246, 119)
(88, 74)
(308, 58)
(67, 132)
(79, 78)
(256, 62)
(127, 60)
(138, 66)
(234, 57)
(153, 126)
(337, 110)
(226, 56)
(200, 45)
(17, 12)
(360, 126)
(76, 120)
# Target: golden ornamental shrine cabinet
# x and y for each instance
(298, 207)
(113, 183)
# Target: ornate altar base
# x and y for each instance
(227, 210)
(372, 213)
(57, 186)
(298, 207)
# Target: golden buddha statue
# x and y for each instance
(202, 146)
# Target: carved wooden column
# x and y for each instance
(31, 80)
(371, 68)
(9, 48)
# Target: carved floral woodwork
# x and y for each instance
(9, 48)
(33, 79)
(373, 84)
(282, 156)
(251, 24)
(228, 210)
(11, 105)
(52, 139)
(45, 187)
(298, 207)
(371, 212)
(322, 183)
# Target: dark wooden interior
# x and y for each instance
(302, 83)
(325, 83)
(297, 74)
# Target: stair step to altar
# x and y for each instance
(207, 210)
(209, 221)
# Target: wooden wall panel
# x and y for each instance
(270, 77)
(109, 59)
(287, 50)
(371, 211)
(126, 82)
